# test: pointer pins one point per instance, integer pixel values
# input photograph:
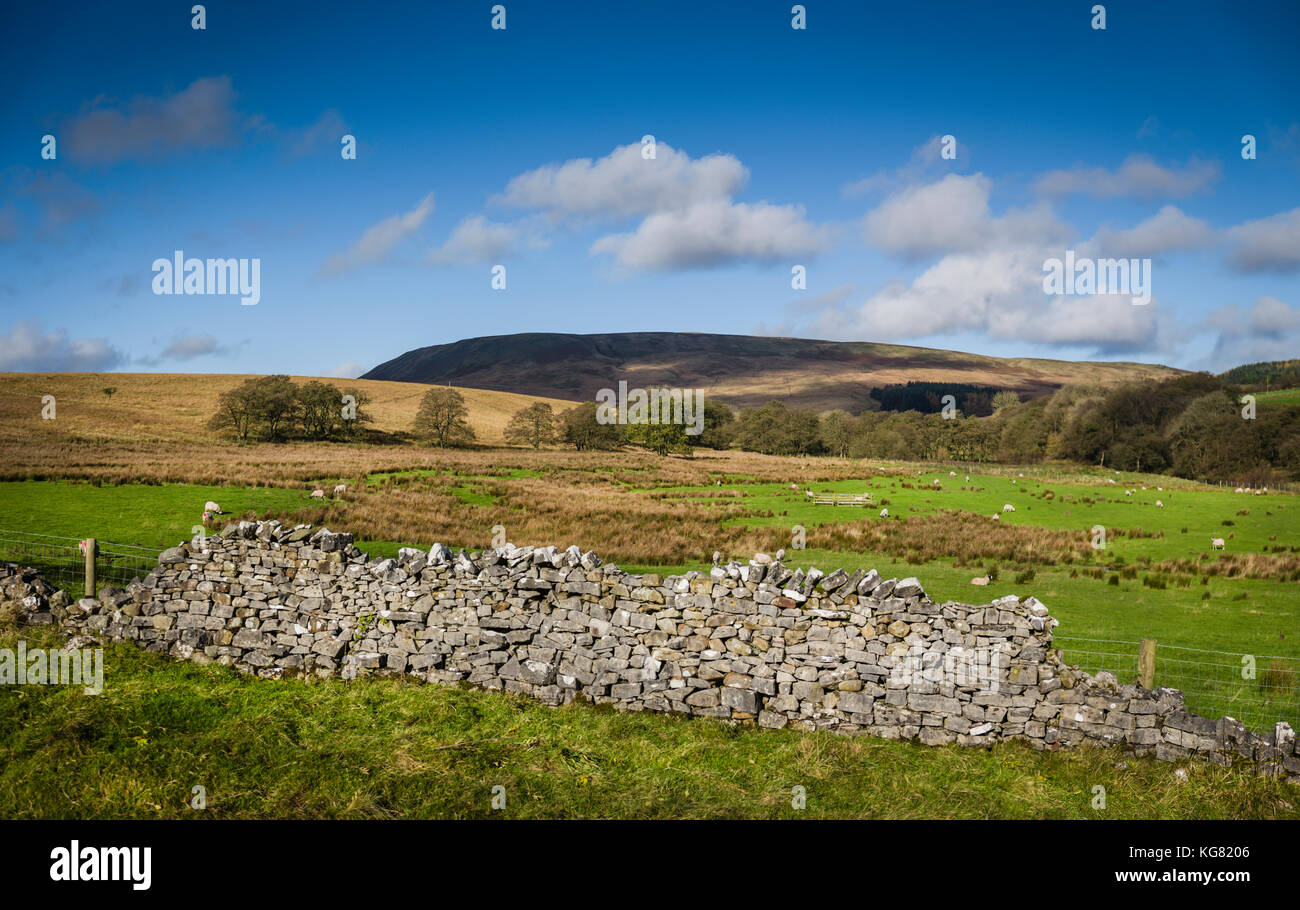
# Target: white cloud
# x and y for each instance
(378, 240)
(27, 349)
(689, 218)
(926, 158)
(953, 215)
(1170, 230)
(1267, 244)
(190, 346)
(326, 131)
(476, 239)
(1269, 329)
(1138, 176)
(200, 116)
(715, 233)
(624, 184)
(997, 293)
(348, 369)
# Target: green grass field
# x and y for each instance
(391, 749)
(383, 748)
(1279, 396)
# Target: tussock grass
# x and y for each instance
(383, 748)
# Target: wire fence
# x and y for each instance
(62, 561)
(1258, 690)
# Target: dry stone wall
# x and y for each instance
(757, 642)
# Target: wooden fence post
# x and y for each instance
(1147, 663)
(90, 567)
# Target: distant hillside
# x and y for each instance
(743, 370)
(1277, 373)
(158, 407)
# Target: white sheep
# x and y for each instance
(952, 473)
(936, 481)
(982, 580)
(1216, 543)
(808, 493)
(317, 494)
(884, 513)
(794, 486)
(1008, 508)
(1159, 504)
(997, 517)
(1238, 490)
(340, 489)
(212, 507)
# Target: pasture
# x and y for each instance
(396, 749)
(114, 473)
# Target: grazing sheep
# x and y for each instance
(794, 486)
(717, 557)
(340, 489)
(997, 517)
(1216, 543)
(1013, 483)
(1111, 479)
(1238, 490)
(952, 473)
(1128, 492)
(808, 493)
(982, 580)
(936, 481)
(317, 494)
(207, 516)
(1008, 508)
(780, 555)
(212, 507)
(968, 478)
(884, 513)
(1159, 504)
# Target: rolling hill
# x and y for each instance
(175, 407)
(742, 370)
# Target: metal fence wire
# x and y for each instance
(62, 563)
(1257, 689)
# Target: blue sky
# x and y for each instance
(521, 147)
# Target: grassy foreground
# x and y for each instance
(399, 749)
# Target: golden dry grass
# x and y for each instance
(176, 406)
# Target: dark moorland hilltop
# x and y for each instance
(743, 370)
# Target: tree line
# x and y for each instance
(1195, 425)
(274, 408)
